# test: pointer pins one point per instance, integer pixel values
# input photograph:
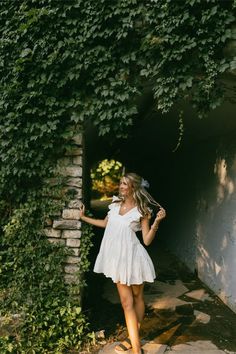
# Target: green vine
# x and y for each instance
(181, 131)
(85, 246)
(67, 62)
(32, 285)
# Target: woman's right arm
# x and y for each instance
(92, 221)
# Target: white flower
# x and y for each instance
(144, 183)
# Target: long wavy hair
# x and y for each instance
(142, 198)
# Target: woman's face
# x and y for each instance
(125, 188)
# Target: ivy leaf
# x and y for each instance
(25, 52)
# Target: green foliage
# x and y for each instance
(32, 283)
(74, 60)
(53, 328)
(37, 95)
(38, 73)
(85, 246)
(187, 38)
(29, 269)
(181, 131)
(65, 62)
(106, 176)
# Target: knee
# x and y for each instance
(138, 297)
(127, 303)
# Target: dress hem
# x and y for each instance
(128, 284)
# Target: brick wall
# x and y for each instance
(66, 227)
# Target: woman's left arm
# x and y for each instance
(150, 232)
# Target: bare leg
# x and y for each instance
(139, 305)
(127, 301)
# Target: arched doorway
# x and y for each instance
(196, 184)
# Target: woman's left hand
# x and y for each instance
(161, 214)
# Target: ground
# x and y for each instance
(182, 314)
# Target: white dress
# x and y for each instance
(121, 256)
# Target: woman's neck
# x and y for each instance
(127, 204)
(129, 201)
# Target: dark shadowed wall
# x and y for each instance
(196, 184)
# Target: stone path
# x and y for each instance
(182, 315)
(198, 347)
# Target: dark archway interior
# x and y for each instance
(176, 178)
(148, 151)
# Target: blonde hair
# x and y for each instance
(142, 198)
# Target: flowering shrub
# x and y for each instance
(105, 177)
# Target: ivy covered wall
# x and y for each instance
(64, 62)
(69, 62)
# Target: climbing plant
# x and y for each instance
(32, 287)
(65, 62)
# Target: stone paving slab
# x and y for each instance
(110, 349)
(200, 295)
(198, 347)
(188, 351)
(154, 348)
(162, 303)
(202, 317)
(201, 344)
(162, 295)
(149, 348)
(172, 290)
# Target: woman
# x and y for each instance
(122, 257)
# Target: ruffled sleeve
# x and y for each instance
(113, 203)
(135, 220)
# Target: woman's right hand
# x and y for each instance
(81, 210)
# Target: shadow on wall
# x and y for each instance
(216, 231)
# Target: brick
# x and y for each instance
(75, 204)
(71, 269)
(67, 224)
(78, 139)
(71, 242)
(74, 182)
(71, 279)
(50, 232)
(77, 160)
(72, 260)
(71, 171)
(73, 214)
(73, 151)
(65, 161)
(57, 240)
(71, 234)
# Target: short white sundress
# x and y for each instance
(121, 256)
